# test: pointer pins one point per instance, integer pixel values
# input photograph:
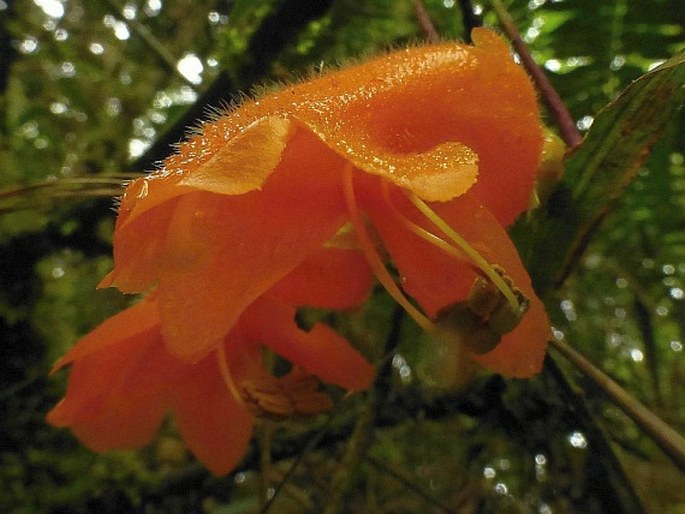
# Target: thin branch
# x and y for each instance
(426, 24)
(610, 474)
(670, 441)
(361, 438)
(312, 443)
(264, 437)
(149, 39)
(567, 127)
(355, 451)
(409, 485)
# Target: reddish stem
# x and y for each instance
(567, 127)
(426, 24)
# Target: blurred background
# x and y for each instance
(94, 92)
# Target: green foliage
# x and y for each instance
(86, 93)
(599, 170)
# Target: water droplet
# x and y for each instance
(52, 8)
(28, 45)
(569, 310)
(153, 7)
(577, 440)
(585, 122)
(96, 48)
(677, 293)
(637, 355)
(61, 35)
(501, 488)
(662, 310)
(190, 66)
(130, 11)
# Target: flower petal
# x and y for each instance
(216, 428)
(330, 279)
(222, 252)
(437, 280)
(428, 115)
(130, 324)
(138, 246)
(242, 164)
(228, 164)
(425, 118)
(321, 351)
(521, 352)
(233, 167)
(116, 397)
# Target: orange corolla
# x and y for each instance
(420, 157)
(447, 134)
(124, 380)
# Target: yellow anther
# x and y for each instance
(282, 398)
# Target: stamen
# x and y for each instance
(417, 229)
(226, 374)
(374, 259)
(281, 398)
(475, 257)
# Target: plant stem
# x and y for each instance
(265, 436)
(360, 440)
(426, 24)
(149, 39)
(406, 482)
(603, 464)
(356, 449)
(567, 127)
(670, 441)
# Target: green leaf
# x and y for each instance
(597, 173)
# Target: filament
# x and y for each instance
(226, 374)
(419, 230)
(374, 259)
(463, 245)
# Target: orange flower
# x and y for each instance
(124, 380)
(428, 152)
(410, 143)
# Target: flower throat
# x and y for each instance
(494, 307)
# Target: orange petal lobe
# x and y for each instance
(138, 246)
(329, 279)
(437, 280)
(130, 324)
(431, 276)
(321, 351)
(222, 252)
(214, 426)
(521, 352)
(116, 398)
